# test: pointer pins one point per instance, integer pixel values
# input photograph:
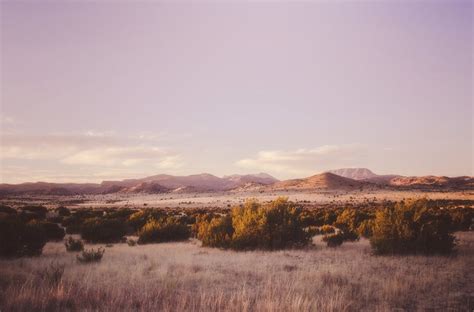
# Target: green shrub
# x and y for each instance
(313, 230)
(72, 224)
(275, 225)
(63, 211)
(99, 230)
(52, 231)
(365, 229)
(18, 238)
(412, 227)
(121, 214)
(138, 219)
(348, 235)
(73, 244)
(34, 238)
(163, 230)
(327, 229)
(11, 229)
(462, 218)
(91, 255)
(334, 240)
(216, 232)
(7, 209)
(34, 212)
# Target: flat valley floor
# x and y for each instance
(228, 199)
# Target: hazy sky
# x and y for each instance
(106, 90)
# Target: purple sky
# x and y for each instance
(105, 90)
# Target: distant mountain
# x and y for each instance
(259, 178)
(146, 188)
(193, 183)
(398, 181)
(44, 188)
(354, 173)
(335, 180)
(464, 182)
(152, 185)
(323, 181)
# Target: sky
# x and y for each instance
(100, 90)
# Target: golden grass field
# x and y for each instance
(188, 277)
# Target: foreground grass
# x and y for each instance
(185, 276)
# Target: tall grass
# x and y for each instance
(187, 277)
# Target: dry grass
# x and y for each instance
(185, 276)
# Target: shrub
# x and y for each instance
(18, 238)
(11, 229)
(276, 225)
(121, 214)
(63, 211)
(72, 224)
(327, 229)
(55, 219)
(52, 231)
(163, 230)
(412, 227)
(334, 240)
(91, 255)
(313, 230)
(462, 218)
(7, 209)
(33, 238)
(97, 230)
(73, 244)
(131, 242)
(138, 219)
(365, 229)
(348, 235)
(34, 212)
(216, 232)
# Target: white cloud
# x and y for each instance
(83, 154)
(6, 120)
(304, 161)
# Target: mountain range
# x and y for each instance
(340, 179)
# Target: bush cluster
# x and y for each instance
(18, 238)
(163, 230)
(52, 231)
(216, 232)
(275, 225)
(101, 230)
(412, 227)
